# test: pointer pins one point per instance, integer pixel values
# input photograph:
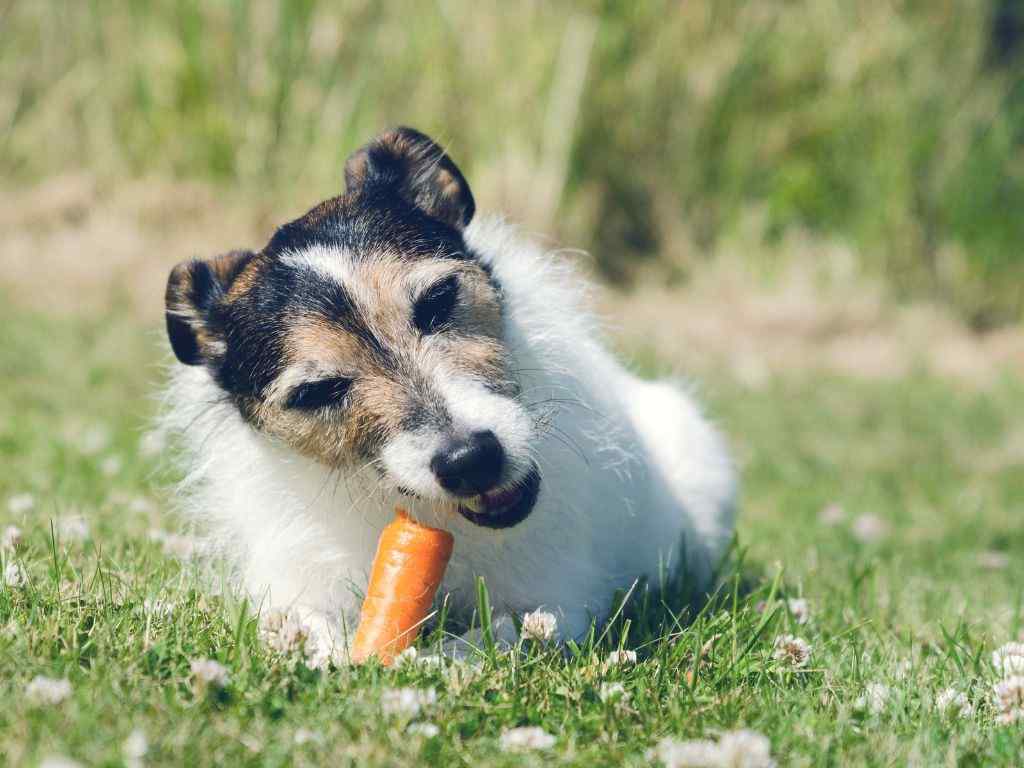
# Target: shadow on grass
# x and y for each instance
(651, 621)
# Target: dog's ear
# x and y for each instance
(406, 162)
(195, 288)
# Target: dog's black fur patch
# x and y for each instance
(404, 196)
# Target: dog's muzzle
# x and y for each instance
(504, 507)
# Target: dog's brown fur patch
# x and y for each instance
(392, 374)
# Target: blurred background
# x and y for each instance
(763, 186)
(815, 208)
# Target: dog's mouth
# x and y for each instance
(504, 507)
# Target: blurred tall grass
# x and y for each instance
(645, 131)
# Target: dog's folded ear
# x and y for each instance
(195, 290)
(405, 162)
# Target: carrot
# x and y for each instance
(407, 570)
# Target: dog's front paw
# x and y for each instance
(307, 632)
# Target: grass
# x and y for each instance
(889, 135)
(918, 608)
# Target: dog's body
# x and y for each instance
(494, 410)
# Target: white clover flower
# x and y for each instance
(157, 607)
(21, 503)
(59, 761)
(176, 545)
(320, 658)
(47, 691)
(152, 443)
(951, 700)
(73, 528)
(947, 698)
(695, 753)
(11, 538)
(94, 439)
(525, 738)
(874, 698)
(426, 730)
(612, 692)
(283, 631)
(14, 575)
(992, 560)
(744, 749)
(868, 528)
(111, 466)
(141, 505)
(135, 748)
(207, 673)
(180, 546)
(1008, 659)
(406, 658)
(410, 657)
(1008, 695)
(734, 749)
(407, 702)
(461, 673)
(621, 658)
(539, 625)
(792, 650)
(903, 669)
(307, 736)
(832, 514)
(800, 609)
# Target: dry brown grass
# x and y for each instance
(75, 245)
(756, 328)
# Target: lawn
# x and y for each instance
(890, 507)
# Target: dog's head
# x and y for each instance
(367, 333)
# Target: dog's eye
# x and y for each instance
(317, 394)
(434, 308)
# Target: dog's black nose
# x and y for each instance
(471, 465)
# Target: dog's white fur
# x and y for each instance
(635, 479)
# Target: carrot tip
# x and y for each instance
(407, 571)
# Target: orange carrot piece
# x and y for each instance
(407, 570)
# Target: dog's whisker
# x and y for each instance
(552, 387)
(565, 401)
(569, 443)
(359, 476)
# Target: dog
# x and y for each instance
(389, 348)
